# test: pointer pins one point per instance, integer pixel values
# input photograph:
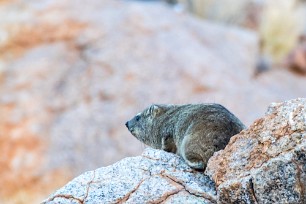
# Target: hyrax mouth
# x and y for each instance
(131, 129)
(133, 132)
(127, 125)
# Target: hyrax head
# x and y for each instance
(142, 125)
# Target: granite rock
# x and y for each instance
(265, 163)
(72, 73)
(154, 177)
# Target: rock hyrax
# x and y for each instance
(193, 131)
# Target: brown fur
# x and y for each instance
(193, 131)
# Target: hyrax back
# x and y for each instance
(193, 131)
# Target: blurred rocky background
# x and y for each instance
(72, 72)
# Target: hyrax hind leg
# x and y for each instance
(195, 155)
(189, 150)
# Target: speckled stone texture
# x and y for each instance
(72, 73)
(265, 163)
(154, 177)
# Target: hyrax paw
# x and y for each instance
(196, 165)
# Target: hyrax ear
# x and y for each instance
(154, 110)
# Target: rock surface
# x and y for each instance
(154, 177)
(72, 73)
(265, 163)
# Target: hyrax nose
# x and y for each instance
(127, 124)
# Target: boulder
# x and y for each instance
(72, 73)
(265, 163)
(154, 177)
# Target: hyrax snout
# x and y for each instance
(193, 131)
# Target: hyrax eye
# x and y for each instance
(137, 118)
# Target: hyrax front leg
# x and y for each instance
(168, 144)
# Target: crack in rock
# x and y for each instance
(68, 197)
(252, 190)
(200, 195)
(164, 198)
(88, 185)
(80, 200)
(128, 195)
(299, 172)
